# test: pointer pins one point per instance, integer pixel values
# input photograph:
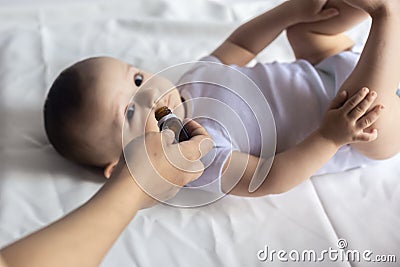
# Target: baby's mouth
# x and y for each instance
(165, 101)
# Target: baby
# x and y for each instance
(89, 102)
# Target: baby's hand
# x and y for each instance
(312, 10)
(348, 121)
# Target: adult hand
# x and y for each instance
(74, 240)
(161, 168)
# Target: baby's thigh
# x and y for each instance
(388, 142)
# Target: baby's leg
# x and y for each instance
(316, 41)
(379, 69)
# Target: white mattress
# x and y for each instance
(37, 186)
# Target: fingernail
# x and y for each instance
(169, 134)
(334, 12)
(365, 90)
(373, 93)
(382, 107)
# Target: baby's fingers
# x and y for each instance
(339, 100)
(363, 106)
(355, 100)
(370, 118)
(367, 137)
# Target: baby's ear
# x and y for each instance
(109, 168)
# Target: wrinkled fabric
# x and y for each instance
(37, 186)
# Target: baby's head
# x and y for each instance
(90, 104)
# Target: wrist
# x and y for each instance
(329, 141)
(124, 192)
(292, 13)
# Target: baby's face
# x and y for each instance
(122, 100)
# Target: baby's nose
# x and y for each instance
(147, 97)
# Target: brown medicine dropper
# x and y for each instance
(167, 120)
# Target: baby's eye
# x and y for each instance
(138, 78)
(130, 112)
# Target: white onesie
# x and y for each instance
(298, 94)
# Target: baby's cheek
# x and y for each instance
(151, 124)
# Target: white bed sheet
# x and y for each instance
(37, 186)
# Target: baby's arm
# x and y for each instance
(318, 40)
(252, 37)
(342, 124)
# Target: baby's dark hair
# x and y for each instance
(63, 116)
(63, 103)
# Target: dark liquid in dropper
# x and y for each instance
(172, 123)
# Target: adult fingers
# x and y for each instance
(200, 142)
(184, 156)
(194, 128)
